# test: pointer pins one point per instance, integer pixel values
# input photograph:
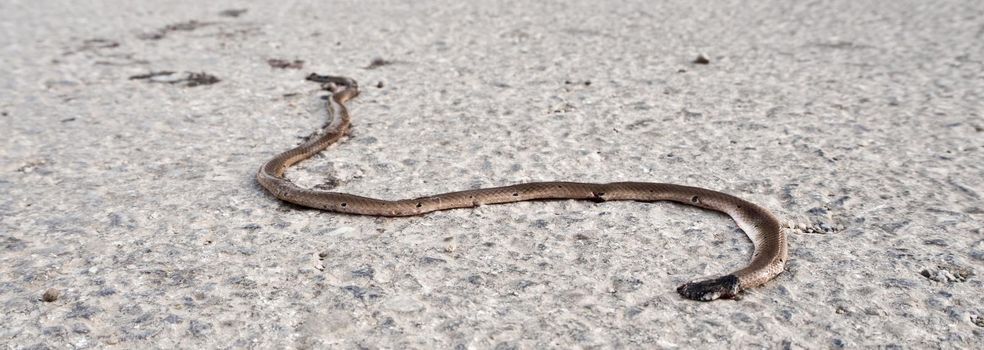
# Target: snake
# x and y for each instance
(770, 250)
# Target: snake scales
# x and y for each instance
(768, 259)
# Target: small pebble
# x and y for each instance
(944, 275)
(702, 59)
(366, 271)
(977, 320)
(232, 12)
(379, 84)
(79, 328)
(50, 295)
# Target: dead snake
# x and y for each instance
(769, 240)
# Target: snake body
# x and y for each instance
(770, 248)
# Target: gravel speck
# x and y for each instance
(199, 328)
(366, 271)
(50, 295)
(702, 59)
(947, 274)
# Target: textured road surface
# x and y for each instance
(129, 196)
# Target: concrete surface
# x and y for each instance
(128, 201)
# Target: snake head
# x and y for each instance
(722, 287)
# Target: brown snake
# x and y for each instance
(769, 240)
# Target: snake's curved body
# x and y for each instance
(770, 248)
